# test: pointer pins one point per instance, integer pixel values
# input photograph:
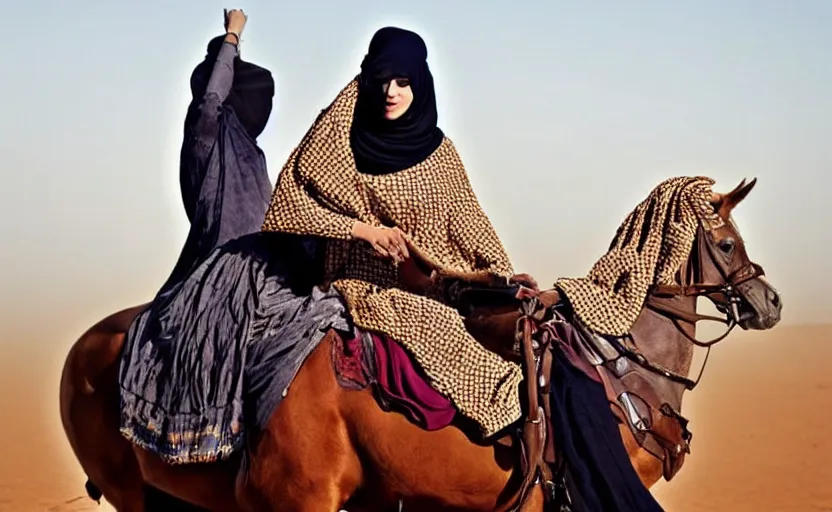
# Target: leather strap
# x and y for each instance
(534, 434)
(665, 437)
(537, 446)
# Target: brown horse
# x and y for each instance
(326, 447)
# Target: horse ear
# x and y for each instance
(724, 204)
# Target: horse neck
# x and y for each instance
(659, 339)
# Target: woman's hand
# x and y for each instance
(388, 242)
(235, 21)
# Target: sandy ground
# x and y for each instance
(760, 420)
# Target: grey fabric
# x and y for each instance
(223, 176)
(224, 336)
(216, 359)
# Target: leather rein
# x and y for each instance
(536, 443)
(730, 306)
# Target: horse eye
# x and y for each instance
(726, 245)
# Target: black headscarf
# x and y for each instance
(382, 146)
(251, 92)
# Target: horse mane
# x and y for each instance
(648, 249)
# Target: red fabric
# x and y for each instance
(406, 387)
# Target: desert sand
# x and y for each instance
(760, 419)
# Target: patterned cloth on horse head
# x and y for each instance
(648, 249)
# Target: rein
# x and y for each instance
(536, 443)
(540, 465)
(660, 301)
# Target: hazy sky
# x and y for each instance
(566, 115)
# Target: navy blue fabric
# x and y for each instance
(599, 474)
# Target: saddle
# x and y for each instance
(496, 310)
(654, 423)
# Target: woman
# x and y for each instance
(226, 327)
(374, 170)
(221, 168)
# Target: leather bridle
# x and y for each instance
(725, 297)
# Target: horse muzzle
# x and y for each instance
(761, 307)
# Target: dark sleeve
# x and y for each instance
(206, 127)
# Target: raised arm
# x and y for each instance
(219, 86)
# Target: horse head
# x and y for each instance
(743, 292)
(660, 343)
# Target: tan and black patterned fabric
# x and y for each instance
(320, 192)
(650, 246)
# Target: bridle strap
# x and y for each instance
(745, 273)
(661, 300)
(660, 305)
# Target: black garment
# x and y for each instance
(599, 474)
(251, 93)
(382, 146)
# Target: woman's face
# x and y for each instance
(398, 96)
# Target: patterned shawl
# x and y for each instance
(649, 247)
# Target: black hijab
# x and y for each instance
(251, 92)
(382, 146)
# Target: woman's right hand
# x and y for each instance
(388, 242)
(235, 21)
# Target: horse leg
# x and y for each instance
(535, 502)
(190, 487)
(89, 413)
(303, 459)
(648, 467)
(157, 500)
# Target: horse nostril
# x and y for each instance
(773, 298)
